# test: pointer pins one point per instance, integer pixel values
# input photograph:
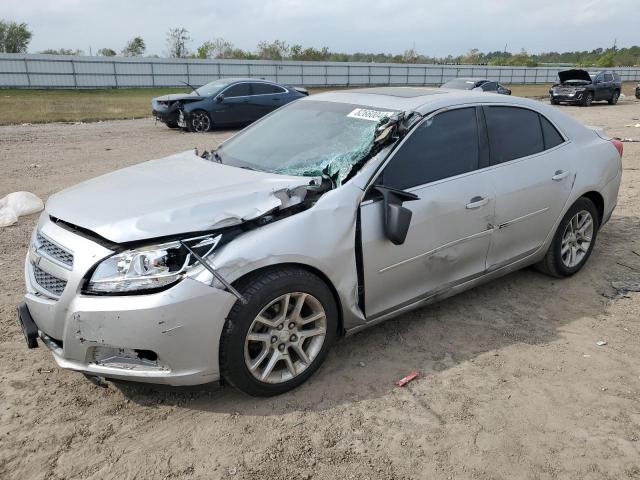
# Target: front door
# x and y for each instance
(237, 108)
(450, 228)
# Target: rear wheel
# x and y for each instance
(573, 241)
(199, 121)
(614, 98)
(588, 99)
(281, 336)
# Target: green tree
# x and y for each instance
(62, 51)
(275, 50)
(607, 60)
(106, 52)
(177, 39)
(134, 47)
(218, 48)
(14, 37)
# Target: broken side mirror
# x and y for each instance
(219, 98)
(397, 218)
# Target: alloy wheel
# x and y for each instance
(576, 239)
(200, 122)
(285, 337)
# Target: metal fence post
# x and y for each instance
(153, 75)
(115, 73)
(73, 70)
(369, 75)
(26, 70)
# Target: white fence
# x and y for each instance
(55, 71)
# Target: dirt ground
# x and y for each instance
(512, 382)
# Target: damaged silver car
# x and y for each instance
(327, 216)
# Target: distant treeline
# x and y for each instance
(15, 38)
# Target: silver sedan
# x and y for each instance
(327, 216)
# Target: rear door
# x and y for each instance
(266, 97)
(236, 108)
(532, 176)
(449, 234)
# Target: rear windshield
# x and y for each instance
(307, 138)
(460, 84)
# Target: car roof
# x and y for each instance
(242, 79)
(470, 79)
(418, 99)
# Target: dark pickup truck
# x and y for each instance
(581, 87)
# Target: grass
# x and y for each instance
(42, 106)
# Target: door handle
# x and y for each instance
(559, 175)
(477, 202)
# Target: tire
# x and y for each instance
(266, 293)
(614, 99)
(558, 263)
(199, 122)
(553, 102)
(172, 125)
(588, 99)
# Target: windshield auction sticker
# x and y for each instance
(365, 114)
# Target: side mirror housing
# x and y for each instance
(219, 98)
(397, 218)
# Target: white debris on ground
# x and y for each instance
(17, 204)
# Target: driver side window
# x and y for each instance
(440, 147)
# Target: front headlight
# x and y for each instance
(149, 267)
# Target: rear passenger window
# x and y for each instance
(513, 133)
(551, 136)
(265, 89)
(440, 147)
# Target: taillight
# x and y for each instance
(618, 144)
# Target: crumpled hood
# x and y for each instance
(574, 74)
(173, 195)
(178, 96)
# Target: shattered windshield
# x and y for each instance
(307, 138)
(211, 88)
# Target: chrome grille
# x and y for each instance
(50, 249)
(48, 282)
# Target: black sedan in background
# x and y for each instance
(227, 102)
(478, 84)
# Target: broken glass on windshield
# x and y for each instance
(308, 138)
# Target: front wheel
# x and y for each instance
(282, 335)
(573, 241)
(614, 99)
(199, 121)
(588, 99)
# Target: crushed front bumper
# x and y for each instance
(170, 337)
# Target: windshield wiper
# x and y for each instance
(190, 86)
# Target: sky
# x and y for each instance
(435, 28)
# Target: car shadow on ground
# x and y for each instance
(515, 309)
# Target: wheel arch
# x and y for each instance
(598, 201)
(315, 271)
